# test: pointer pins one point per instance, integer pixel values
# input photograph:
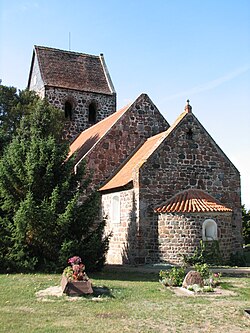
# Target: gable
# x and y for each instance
(185, 145)
(108, 144)
(138, 112)
(126, 173)
(72, 70)
(90, 137)
(35, 79)
(190, 158)
(189, 144)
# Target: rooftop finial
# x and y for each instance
(188, 107)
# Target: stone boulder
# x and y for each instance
(192, 278)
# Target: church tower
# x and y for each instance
(77, 83)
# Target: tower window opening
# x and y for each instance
(68, 110)
(92, 113)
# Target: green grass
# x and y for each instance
(133, 302)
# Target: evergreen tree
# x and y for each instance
(43, 221)
(246, 225)
(13, 106)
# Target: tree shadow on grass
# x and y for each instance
(126, 276)
(101, 291)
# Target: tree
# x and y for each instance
(43, 221)
(246, 225)
(13, 106)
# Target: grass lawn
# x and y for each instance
(135, 302)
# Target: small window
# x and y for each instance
(92, 113)
(209, 230)
(116, 209)
(68, 110)
(189, 134)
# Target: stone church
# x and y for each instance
(163, 187)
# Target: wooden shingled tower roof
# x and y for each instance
(72, 70)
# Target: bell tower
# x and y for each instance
(77, 83)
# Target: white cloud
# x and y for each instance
(211, 84)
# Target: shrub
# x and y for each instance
(173, 277)
(208, 289)
(207, 252)
(238, 259)
(203, 270)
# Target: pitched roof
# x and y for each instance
(72, 70)
(143, 152)
(192, 201)
(89, 138)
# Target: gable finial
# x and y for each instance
(188, 107)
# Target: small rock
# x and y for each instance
(192, 278)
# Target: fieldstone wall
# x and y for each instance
(141, 121)
(181, 233)
(189, 158)
(105, 106)
(123, 243)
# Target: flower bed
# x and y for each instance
(75, 281)
(199, 281)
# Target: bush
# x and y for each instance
(173, 278)
(203, 270)
(206, 252)
(238, 259)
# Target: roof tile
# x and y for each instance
(192, 201)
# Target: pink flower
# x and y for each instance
(76, 268)
(75, 260)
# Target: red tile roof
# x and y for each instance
(192, 201)
(125, 174)
(72, 70)
(89, 138)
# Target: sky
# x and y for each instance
(173, 50)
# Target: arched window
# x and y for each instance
(116, 209)
(209, 230)
(92, 113)
(68, 110)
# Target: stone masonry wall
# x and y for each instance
(140, 122)
(180, 234)
(123, 243)
(106, 105)
(181, 162)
